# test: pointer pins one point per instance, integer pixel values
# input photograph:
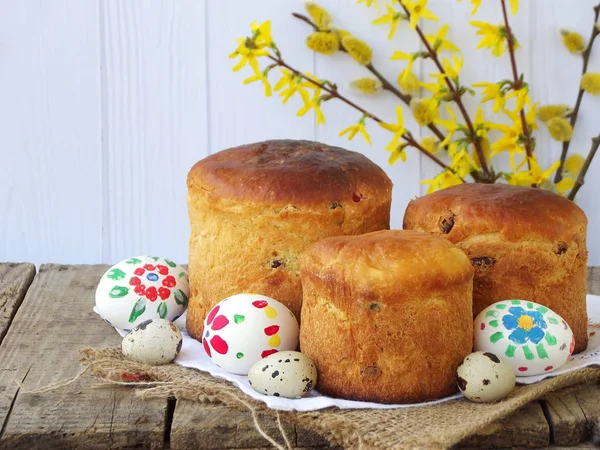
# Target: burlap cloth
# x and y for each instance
(437, 426)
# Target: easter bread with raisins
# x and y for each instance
(254, 208)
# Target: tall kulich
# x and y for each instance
(253, 209)
(524, 243)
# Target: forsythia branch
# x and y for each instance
(333, 92)
(586, 57)
(586, 165)
(517, 83)
(457, 97)
(385, 83)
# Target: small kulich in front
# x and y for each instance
(387, 316)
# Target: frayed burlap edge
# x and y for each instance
(437, 426)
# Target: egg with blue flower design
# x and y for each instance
(528, 336)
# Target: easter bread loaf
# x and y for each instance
(253, 209)
(524, 243)
(387, 316)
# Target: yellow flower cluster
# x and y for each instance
(323, 42)
(573, 41)
(464, 146)
(329, 40)
(590, 83)
(554, 117)
(366, 86)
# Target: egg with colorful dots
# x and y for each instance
(530, 337)
(244, 328)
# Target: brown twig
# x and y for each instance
(456, 97)
(385, 83)
(586, 58)
(333, 92)
(586, 165)
(517, 84)
(303, 18)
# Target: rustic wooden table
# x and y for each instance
(46, 317)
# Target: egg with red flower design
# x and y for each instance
(244, 328)
(142, 288)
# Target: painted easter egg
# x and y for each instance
(142, 288)
(284, 374)
(530, 337)
(244, 328)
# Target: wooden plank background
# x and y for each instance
(106, 104)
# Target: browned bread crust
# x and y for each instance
(253, 209)
(387, 316)
(524, 243)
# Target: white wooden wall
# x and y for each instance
(106, 104)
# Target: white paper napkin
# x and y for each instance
(193, 355)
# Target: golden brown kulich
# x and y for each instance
(253, 209)
(524, 243)
(387, 316)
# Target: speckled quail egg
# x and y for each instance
(483, 377)
(284, 374)
(154, 342)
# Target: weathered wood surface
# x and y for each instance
(40, 348)
(526, 427)
(56, 318)
(574, 415)
(14, 282)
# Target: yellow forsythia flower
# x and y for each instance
(493, 37)
(260, 76)
(545, 113)
(323, 42)
(358, 50)
(451, 125)
(493, 91)
(358, 127)
(476, 4)
(392, 17)
(418, 9)
(442, 180)
(398, 153)
(368, 86)
(573, 41)
(431, 144)
(397, 128)
(573, 165)
(314, 104)
(560, 129)
(590, 83)
(452, 70)
(262, 34)
(370, 2)
(534, 176)
(425, 111)
(439, 42)
(319, 15)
